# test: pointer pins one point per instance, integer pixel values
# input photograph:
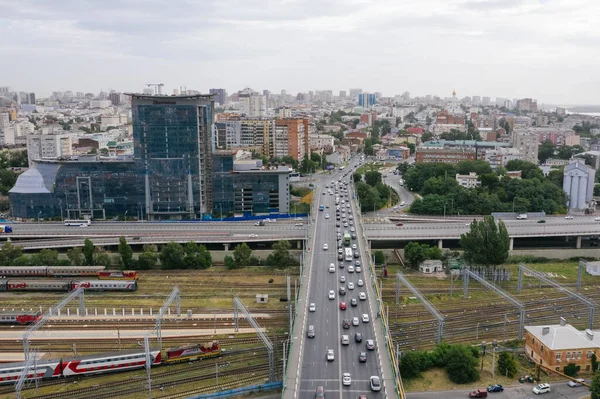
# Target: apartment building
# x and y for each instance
(499, 157)
(445, 155)
(290, 138)
(48, 146)
(527, 144)
(468, 181)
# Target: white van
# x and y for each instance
(522, 216)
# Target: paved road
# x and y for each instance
(327, 319)
(554, 226)
(558, 391)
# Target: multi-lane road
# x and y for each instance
(328, 318)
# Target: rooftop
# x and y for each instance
(558, 337)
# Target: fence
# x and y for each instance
(239, 391)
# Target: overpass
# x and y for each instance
(451, 230)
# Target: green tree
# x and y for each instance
(545, 151)
(461, 365)
(415, 253)
(75, 255)
(595, 385)
(427, 136)
(556, 176)
(528, 170)
(126, 253)
(242, 255)
(230, 263)
(9, 253)
(88, 252)
(486, 243)
(571, 369)
(281, 256)
(102, 258)
(372, 177)
(356, 177)
(172, 256)
(46, 257)
(413, 363)
(507, 365)
(196, 256)
(148, 258)
(7, 180)
(379, 257)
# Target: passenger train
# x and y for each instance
(67, 271)
(105, 363)
(14, 285)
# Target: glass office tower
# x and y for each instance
(172, 136)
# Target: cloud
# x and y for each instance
(425, 46)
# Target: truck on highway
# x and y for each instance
(522, 216)
(4, 228)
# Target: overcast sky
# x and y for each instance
(545, 49)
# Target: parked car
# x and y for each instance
(495, 388)
(576, 383)
(541, 388)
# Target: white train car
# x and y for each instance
(105, 285)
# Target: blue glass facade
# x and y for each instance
(75, 190)
(172, 152)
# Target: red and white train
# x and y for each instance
(67, 271)
(86, 365)
(66, 285)
(106, 362)
(19, 317)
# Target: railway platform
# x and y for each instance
(115, 333)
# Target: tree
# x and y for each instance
(372, 177)
(75, 255)
(486, 243)
(427, 136)
(147, 259)
(102, 258)
(379, 257)
(88, 252)
(507, 365)
(571, 369)
(7, 180)
(415, 253)
(528, 170)
(461, 365)
(196, 256)
(281, 256)
(126, 253)
(356, 177)
(172, 256)
(545, 151)
(46, 257)
(242, 254)
(413, 363)
(9, 253)
(595, 385)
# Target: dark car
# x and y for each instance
(342, 291)
(541, 221)
(362, 357)
(480, 393)
(399, 224)
(353, 302)
(495, 388)
(358, 337)
(346, 324)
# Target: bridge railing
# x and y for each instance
(398, 385)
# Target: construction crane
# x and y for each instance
(157, 87)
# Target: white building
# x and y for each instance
(321, 140)
(468, 181)
(499, 157)
(100, 104)
(250, 103)
(578, 184)
(528, 145)
(48, 146)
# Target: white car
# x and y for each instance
(342, 279)
(597, 219)
(331, 268)
(350, 269)
(357, 269)
(350, 286)
(253, 235)
(354, 246)
(332, 294)
(326, 216)
(375, 383)
(355, 321)
(325, 246)
(346, 379)
(359, 283)
(330, 355)
(312, 307)
(569, 217)
(541, 388)
(362, 296)
(365, 318)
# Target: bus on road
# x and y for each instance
(73, 222)
(346, 238)
(348, 256)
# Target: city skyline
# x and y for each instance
(514, 49)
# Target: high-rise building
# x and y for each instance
(354, 93)
(250, 134)
(48, 146)
(251, 102)
(220, 95)
(366, 100)
(172, 136)
(476, 100)
(342, 94)
(485, 101)
(527, 144)
(290, 138)
(527, 104)
(115, 98)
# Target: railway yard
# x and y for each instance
(484, 315)
(207, 316)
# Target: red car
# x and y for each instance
(342, 305)
(400, 224)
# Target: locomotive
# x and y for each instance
(67, 271)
